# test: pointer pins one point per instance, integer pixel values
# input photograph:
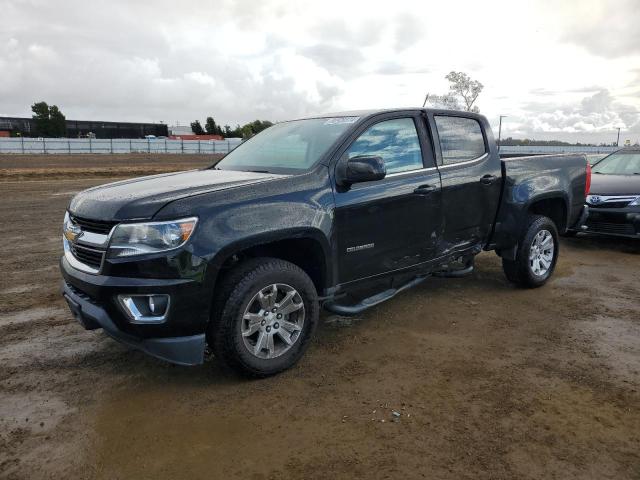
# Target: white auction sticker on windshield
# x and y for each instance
(341, 120)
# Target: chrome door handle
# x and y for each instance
(488, 179)
(425, 189)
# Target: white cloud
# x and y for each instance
(568, 70)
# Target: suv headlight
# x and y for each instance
(636, 201)
(130, 239)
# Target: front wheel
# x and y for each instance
(537, 254)
(264, 317)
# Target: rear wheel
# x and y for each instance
(537, 254)
(264, 317)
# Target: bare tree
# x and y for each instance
(448, 101)
(462, 95)
(462, 85)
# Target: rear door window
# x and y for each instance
(461, 139)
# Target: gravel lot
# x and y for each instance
(490, 381)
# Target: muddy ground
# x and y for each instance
(35, 167)
(490, 381)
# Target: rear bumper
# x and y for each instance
(188, 350)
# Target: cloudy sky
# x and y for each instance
(559, 69)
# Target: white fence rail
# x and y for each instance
(161, 145)
(526, 149)
(116, 145)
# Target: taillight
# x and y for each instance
(587, 184)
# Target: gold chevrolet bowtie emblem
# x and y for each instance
(72, 232)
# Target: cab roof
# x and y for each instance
(370, 112)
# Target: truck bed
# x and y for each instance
(557, 179)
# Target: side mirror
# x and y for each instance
(362, 168)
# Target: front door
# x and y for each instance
(395, 222)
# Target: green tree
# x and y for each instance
(235, 132)
(41, 116)
(50, 122)
(211, 127)
(259, 125)
(197, 128)
(246, 131)
(57, 122)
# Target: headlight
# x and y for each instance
(636, 201)
(139, 238)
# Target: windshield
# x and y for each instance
(619, 163)
(288, 146)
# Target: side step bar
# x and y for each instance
(349, 310)
(462, 272)
(455, 273)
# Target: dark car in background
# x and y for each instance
(614, 197)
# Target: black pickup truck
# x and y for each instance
(339, 211)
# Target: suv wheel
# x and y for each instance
(264, 317)
(537, 254)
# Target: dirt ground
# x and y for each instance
(34, 167)
(491, 382)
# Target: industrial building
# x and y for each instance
(26, 127)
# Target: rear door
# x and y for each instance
(392, 223)
(471, 180)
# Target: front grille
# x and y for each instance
(89, 256)
(95, 226)
(614, 228)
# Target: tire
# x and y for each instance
(239, 307)
(521, 271)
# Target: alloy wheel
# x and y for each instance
(273, 321)
(541, 253)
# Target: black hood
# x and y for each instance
(141, 198)
(602, 184)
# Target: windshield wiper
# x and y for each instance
(258, 171)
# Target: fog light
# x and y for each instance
(144, 308)
(158, 304)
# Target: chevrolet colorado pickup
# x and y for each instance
(340, 211)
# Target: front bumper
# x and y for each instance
(179, 350)
(180, 340)
(620, 222)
